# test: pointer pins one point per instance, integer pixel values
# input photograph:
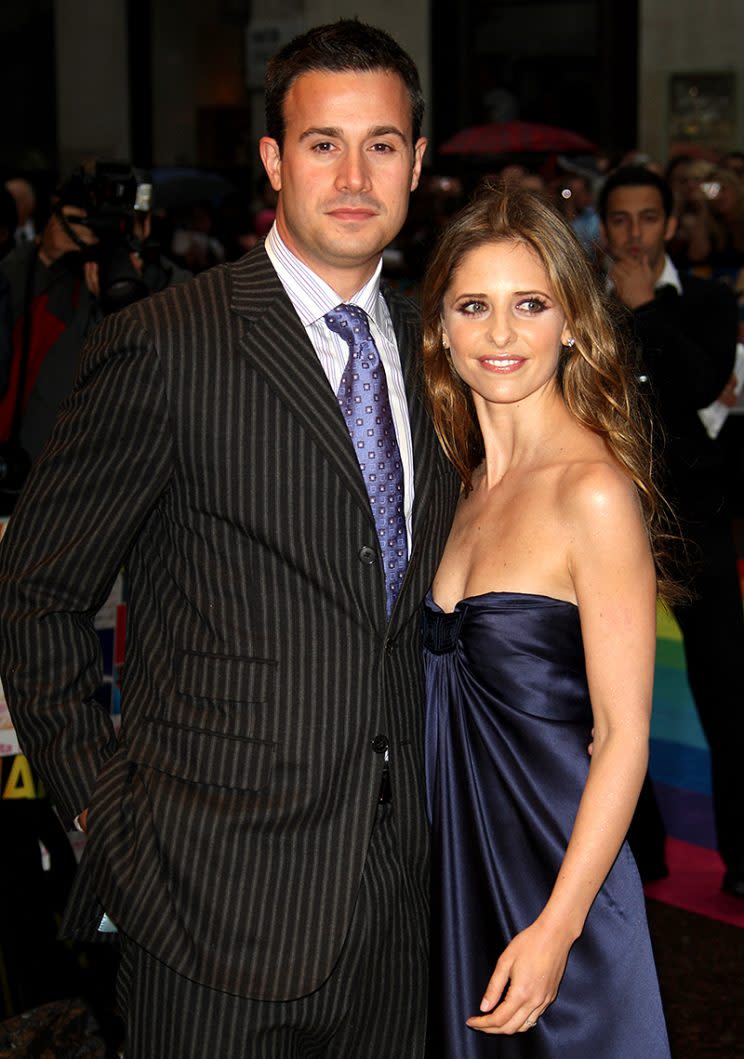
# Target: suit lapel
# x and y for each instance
(273, 339)
(429, 465)
(425, 448)
(275, 342)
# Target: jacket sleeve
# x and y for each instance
(102, 470)
(688, 350)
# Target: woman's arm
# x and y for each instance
(613, 575)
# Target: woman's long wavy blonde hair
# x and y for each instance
(597, 376)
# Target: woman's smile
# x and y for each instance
(503, 364)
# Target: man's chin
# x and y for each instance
(363, 247)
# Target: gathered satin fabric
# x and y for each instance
(508, 725)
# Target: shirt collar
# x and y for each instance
(669, 276)
(311, 296)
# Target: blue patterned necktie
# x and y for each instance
(363, 397)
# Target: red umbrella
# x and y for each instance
(515, 137)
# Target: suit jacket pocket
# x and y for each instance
(204, 756)
(230, 695)
(225, 678)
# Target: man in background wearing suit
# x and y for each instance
(245, 444)
(686, 331)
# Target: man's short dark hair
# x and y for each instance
(634, 176)
(346, 45)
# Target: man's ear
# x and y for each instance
(671, 228)
(271, 156)
(418, 158)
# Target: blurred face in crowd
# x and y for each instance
(735, 164)
(636, 226)
(580, 192)
(25, 197)
(680, 180)
(533, 182)
(726, 194)
(572, 195)
(55, 240)
(344, 172)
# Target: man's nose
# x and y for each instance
(353, 172)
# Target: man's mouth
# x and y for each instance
(352, 213)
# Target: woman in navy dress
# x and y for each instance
(539, 628)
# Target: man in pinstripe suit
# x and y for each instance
(256, 830)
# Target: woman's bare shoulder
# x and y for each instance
(595, 490)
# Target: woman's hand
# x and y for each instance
(533, 965)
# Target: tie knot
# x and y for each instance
(350, 322)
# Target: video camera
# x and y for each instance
(112, 195)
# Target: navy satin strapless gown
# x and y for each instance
(507, 730)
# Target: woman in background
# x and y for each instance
(540, 626)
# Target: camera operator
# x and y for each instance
(93, 257)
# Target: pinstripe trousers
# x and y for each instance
(373, 1005)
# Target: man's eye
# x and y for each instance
(382, 148)
(323, 148)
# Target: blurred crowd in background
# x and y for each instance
(108, 234)
(201, 218)
(708, 195)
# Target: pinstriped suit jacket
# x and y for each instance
(203, 447)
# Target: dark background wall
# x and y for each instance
(571, 63)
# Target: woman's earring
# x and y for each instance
(571, 342)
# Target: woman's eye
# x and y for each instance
(532, 305)
(471, 308)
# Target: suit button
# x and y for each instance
(367, 555)
(380, 744)
(389, 647)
